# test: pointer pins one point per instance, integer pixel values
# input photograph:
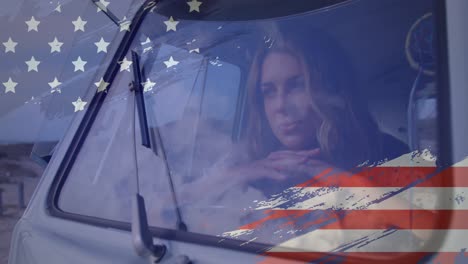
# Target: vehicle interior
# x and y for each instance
(393, 59)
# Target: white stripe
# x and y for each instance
(462, 163)
(373, 198)
(412, 159)
(375, 241)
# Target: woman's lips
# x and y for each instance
(289, 126)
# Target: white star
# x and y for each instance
(194, 5)
(102, 45)
(125, 64)
(55, 45)
(32, 64)
(79, 24)
(102, 5)
(10, 45)
(79, 64)
(58, 8)
(148, 85)
(171, 24)
(171, 62)
(197, 50)
(125, 25)
(147, 41)
(79, 104)
(10, 85)
(101, 85)
(54, 85)
(32, 24)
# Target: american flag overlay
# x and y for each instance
(346, 217)
(50, 52)
(54, 54)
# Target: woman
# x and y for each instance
(305, 110)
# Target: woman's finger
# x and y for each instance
(310, 168)
(289, 161)
(269, 170)
(312, 152)
(288, 153)
(282, 153)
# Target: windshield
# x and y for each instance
(273, 130)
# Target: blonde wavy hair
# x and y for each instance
(346, 135)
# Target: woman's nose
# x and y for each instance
(282, 103)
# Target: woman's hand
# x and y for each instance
(279, 167)
(305, 163)
(272, 167)
(288, 154)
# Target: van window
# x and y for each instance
(271, 131)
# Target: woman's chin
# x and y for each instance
(294, 142)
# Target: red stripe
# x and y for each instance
(367, 219)
(401, 219)
(363, 257)
(391, 177)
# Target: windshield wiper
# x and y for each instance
(158, 146)
(140, 101)
(142, 239)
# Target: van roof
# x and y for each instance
(231, 10)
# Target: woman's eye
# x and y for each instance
(297, 86)
(268, 92)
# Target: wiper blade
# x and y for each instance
(141, 236)
(140, 102)
(145, 139)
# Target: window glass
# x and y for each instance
(274, 131)
(74, 81)
(94, 180)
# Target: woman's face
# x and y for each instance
(287, 102)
